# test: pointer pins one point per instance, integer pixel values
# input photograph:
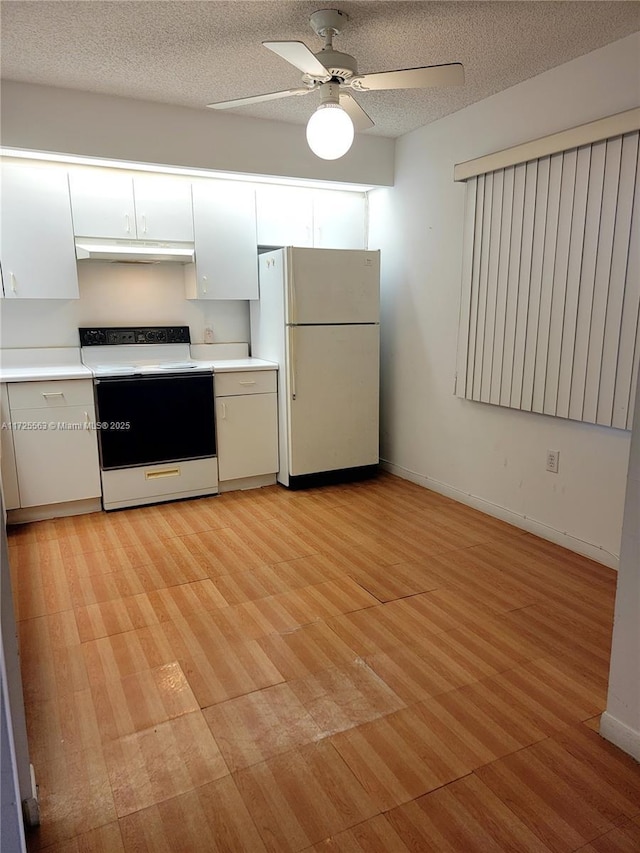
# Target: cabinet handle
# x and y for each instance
(47, 394)
(128, 221)
(164, 472)
(224, 411)
(204, 286)
(246, 382)
(13, 283)
(144, 224)
(87, 420)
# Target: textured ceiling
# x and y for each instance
(194, 53)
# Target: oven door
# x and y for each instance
(148, 419)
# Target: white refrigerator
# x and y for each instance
(318, 316)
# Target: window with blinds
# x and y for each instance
(549, 314)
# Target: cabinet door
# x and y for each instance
(57, 464)
(10, 493)
(163, 208)
(247, 428)
(285, 216)
(36, 235)
(339, 220)
(224, 220)
(102, 204)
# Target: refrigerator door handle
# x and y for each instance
(292, 297)
(292, 362)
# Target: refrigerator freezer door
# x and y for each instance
(328, 286)
(333, 378)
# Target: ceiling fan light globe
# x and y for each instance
(330, 132)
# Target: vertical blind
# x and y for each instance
(549, 317)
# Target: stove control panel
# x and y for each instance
(117, 335)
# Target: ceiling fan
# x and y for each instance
(331, 127)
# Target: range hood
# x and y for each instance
(133, 251)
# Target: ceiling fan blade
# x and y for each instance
(298, 54)
(352, 108)
(257, 99)
(451, 74)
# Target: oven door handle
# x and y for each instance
(152, 377)
(161, 473)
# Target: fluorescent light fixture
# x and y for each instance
(103, 162)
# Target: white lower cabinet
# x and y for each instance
(55, 441)
(247, 424)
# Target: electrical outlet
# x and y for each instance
(553, 461)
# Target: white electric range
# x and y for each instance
(154, 412)
(126, 350)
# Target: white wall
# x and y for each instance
(621, 721)
(485, 455)
(66, 121)
(120, 294)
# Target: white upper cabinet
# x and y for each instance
(116, 205)
(285, 216)
(339, 220)
(224, 217)
(163, 208)
(37, 251)
(102, 204)
(323, 219)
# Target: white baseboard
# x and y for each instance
(247, 483)
(620, 734)
(587, 549)
(61, 510)
(30, 805)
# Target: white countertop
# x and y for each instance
(42, 372)
(40, 363)
(35, 373)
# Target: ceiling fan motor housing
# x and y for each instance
(341, 66)
(328, 23)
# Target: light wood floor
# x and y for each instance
(362, 667)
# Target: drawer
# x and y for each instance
(50, 394)
(155, 483)
(245, 382)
